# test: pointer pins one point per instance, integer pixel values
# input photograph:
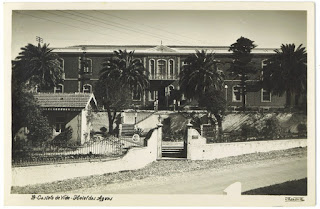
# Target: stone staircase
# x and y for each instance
(127, 130)
(173, 152)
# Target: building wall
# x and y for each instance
(253, 99)
(72, 120)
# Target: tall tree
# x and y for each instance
(126, 69)
(121, 75)
(201, 79)
(113, 97)
(242, 67)
(286, 72)
(37, 65)
(200, 74)
(214, 101)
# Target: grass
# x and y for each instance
(158, 168)
(296, 187)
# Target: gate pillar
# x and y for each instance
(159, 140)
(188, 139)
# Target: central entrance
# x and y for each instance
(173, 144)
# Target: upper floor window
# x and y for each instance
(139, 59)
(86, 65)
(265, 95)
(58, 88)
(87, 88)
(162, 69)
(61, 63)
(171, 68)
(236, 94)
(152, 67)
(136, 95)
(263, 65)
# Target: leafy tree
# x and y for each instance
(214, 101)
(37, 65)
(242, 66)
(200, 74)
(27, 113)
(126, 69)
(113, 96)
(286, 72)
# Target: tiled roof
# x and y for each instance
(75, 100)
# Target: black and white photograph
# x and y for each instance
(110, 102)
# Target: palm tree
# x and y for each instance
(200, 78)
(37, 65)
(286, 72)
(200, 74)
(128, 70)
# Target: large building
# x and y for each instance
(163, 65)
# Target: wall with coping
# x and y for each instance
(198, 149)
(136, 158)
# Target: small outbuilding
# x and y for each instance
(69, 112)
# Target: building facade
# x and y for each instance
(163, 65)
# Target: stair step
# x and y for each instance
(172, 158)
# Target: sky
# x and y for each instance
(62, 28)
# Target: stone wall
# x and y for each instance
(198, 149)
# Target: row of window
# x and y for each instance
(161, 67)
(86, 88)
(156, 67)
(237, 96)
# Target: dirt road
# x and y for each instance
(213, 181)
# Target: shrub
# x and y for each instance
(272, 129)
(302, 130)
(248, 131)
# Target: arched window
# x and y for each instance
(162, 69)
(171, 88)
(58, 88)
(171, 69)
(152, 68)
(87, 88)
(139, 59)
(236, 94)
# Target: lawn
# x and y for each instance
(157, 168)
(296, 187)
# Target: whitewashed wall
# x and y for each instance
(198, 149)
(136, 158)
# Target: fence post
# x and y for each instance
(201, 129)
(120, 125)
(120, 129)
(189, 136)
(217, 131)
(159, 140)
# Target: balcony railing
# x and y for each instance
(160, 76)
